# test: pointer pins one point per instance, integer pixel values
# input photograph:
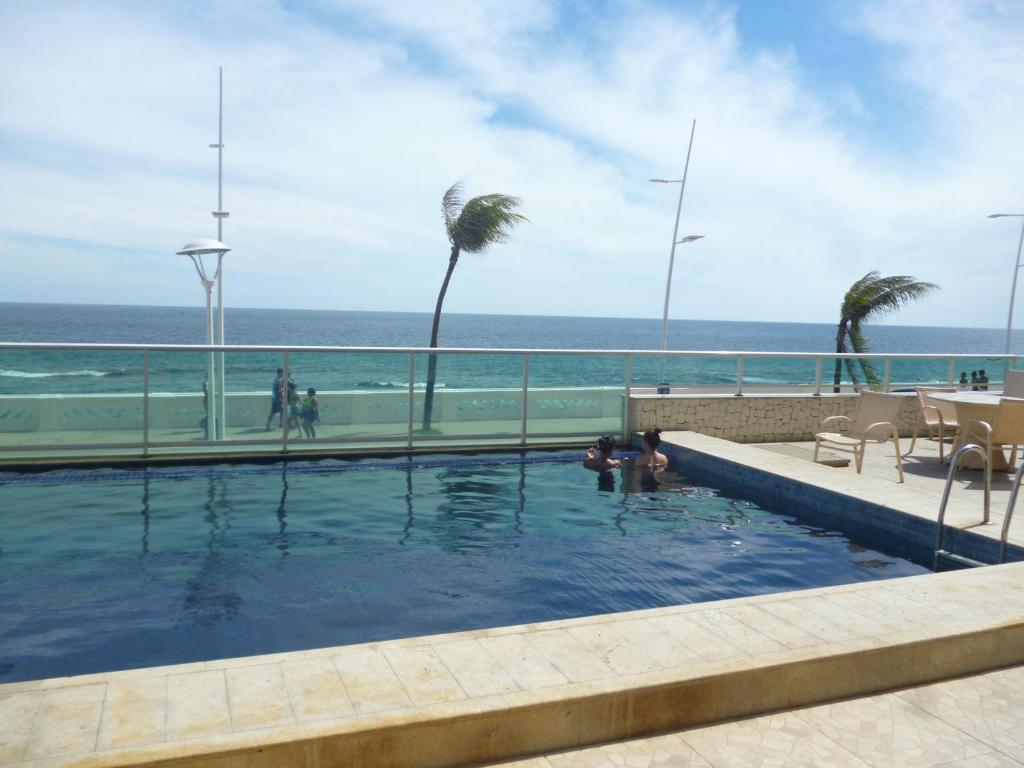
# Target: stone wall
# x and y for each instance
(752, 418)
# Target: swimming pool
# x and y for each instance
(104, 570)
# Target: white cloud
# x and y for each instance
(347, 121)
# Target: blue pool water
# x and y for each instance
(104, 570)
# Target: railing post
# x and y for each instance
(627, 428)
(887, 376)
(952, 372)
(412, 398)
(817, 376)
(526, 393)
(739, 376)
(145, 402)
(284, 405)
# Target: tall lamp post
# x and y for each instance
(195, 250)
(1016, 268)
(663, 386)
(220, 214)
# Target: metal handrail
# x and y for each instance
(954, 463)
(1004, 535)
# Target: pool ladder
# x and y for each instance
(954, 462)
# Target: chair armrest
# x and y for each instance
(835, 418)
(983, 428)
(890, 430)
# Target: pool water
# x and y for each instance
(104, 570)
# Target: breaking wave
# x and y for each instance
(33, 375)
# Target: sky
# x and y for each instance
(832, 138)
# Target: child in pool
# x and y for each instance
(599, 457)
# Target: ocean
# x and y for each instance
(68, 372)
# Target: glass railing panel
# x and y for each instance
(478, 396)
(778, 375)
(362, 398)
(247, 408)
(61, 398)
(182, 384)
(909, 372)
(686, 374)
(974, 369)
(576, 395)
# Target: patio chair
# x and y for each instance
(1007, 428)
(1014, 384)
(935, 416)
(874, 421)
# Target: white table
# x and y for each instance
(975, 406)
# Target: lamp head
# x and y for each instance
(997, 216)
(200, 247)
(690, 239)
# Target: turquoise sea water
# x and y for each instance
(117, 372)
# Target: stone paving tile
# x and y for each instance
(135, 713)
(888, 731)
(197, 705)
(656, 643)
(573, 660)
(817, 617)
(668, 751)
(782, 632)
(781, 739)
(258, 697)
(66, 722)
(989, 707)
(424, 676)
(613, 649)
(526, 665)
(729, 627)
(701, 639)
(989, 760)
(370, 682)
(474, 668)
(315, 689)
(1017, 753)
(17, 713)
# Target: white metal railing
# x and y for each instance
(628, 358)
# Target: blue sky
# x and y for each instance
(832, 138)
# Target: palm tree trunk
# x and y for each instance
(428, 398)
(840, 348)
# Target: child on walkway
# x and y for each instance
(310, 412)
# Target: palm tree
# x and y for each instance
(471, 226)
(868, 299)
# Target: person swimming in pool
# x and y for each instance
(652, 458)
(599, 457)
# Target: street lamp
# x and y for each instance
(663, 386)
(195, 250)
(1016, 267)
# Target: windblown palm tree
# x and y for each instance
(471, 226)
(868, 299)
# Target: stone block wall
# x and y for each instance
(752, 418)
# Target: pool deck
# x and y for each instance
(540, 689)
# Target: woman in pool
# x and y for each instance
(652, 457)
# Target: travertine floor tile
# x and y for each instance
(424, 676)
(135, 712)
(727, 626)
(781, 631)
(668, 751)
(258, 697)
(197, 705)
(989, 707)
(315, 689)
(523, 663)
(887, 731)
(619, 654)
(1017, 753)
(474, 668)
(67, 722)
(696, 636)
(369, 680)
(656, 643)
(990, 760)
(17, 713)
(783, 740)
(566, 653)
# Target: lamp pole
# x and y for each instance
(195, 250)
(220, 214)
(1016, 268)
(663, 385)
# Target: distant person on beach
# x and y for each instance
(974, 381)
(294, 408)
(599, 457)
(982, 380)
(276, 397)
(652, 458)
(310, 412)
(206, 405)
(963, 380)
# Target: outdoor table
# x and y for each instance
(975, 406)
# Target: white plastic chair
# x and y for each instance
(935, 416)
(1007, 428)
(875, 421)
(1014, 384)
